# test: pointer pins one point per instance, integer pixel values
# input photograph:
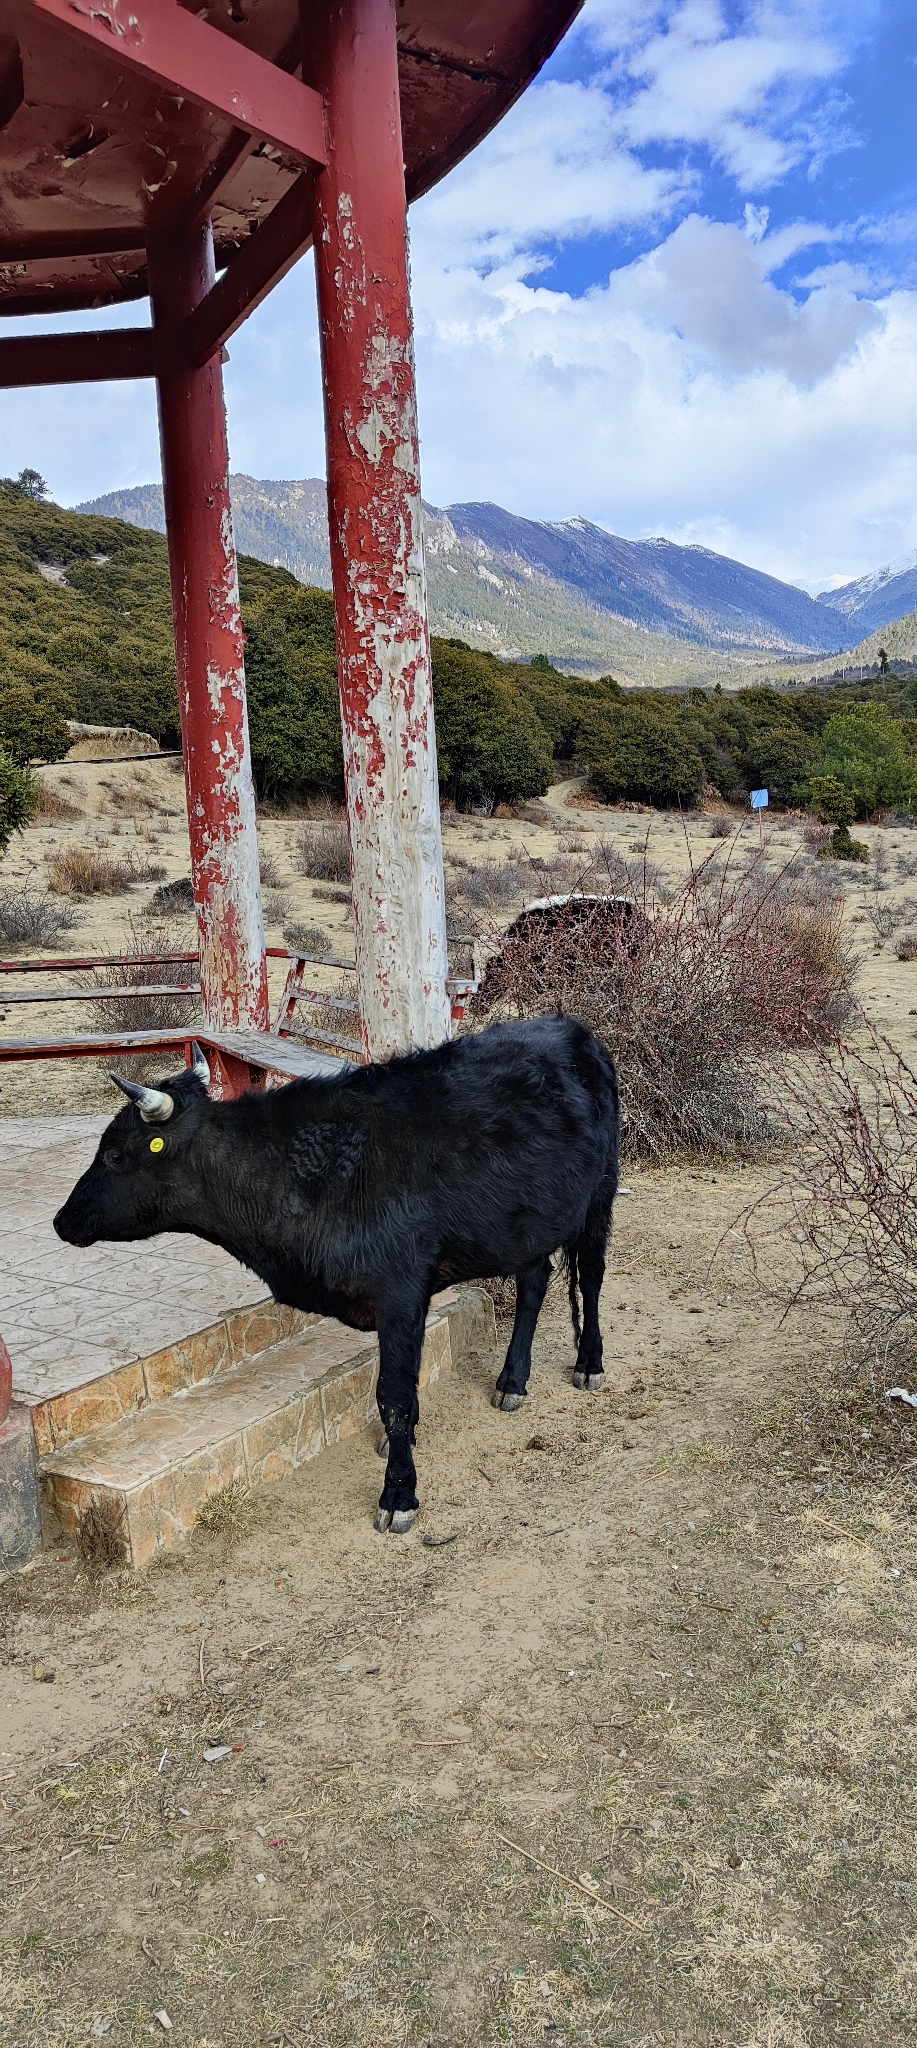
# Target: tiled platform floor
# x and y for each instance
(68, 1316)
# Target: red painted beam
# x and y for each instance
(31, 359)
(182, 53)
(261, 263)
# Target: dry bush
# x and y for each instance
(844, 1213)
(272, 876)
(330, 893)
(52, 803)
(306, 938)
(91, 871)
(172, 897)
(906, 948)
(28, 919)
(100, 1535)
(323, 849)
(689, 996)
(276, 905)
(145, 1012)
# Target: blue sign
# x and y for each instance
(759, 800)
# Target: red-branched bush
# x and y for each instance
(690, 995)
(844, 1212)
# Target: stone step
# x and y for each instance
(256, 1421)
(148, 1380)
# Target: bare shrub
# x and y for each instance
(100, 1536)
(272, 876)
(145, 1012)
(323, 849)
(331, 893)
(503, 1295)
(28, 919)
(844, 1213)
(306, 938)
(721, 826)
(276, 905)
(90, 871)
(906, 949)
(689, 996)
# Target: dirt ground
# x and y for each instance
(615, 1748)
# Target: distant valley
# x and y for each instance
(650, 611)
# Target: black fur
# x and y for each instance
(359, 1195)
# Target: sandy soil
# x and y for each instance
(621, 1756)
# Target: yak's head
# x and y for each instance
(142, 1175)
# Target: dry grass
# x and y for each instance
(52, 803)
(91, 871)
(230, 1512)
(323, 849)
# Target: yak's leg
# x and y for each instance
(589, 1371)
(400, 1347)
(531, 1285)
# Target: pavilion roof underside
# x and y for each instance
(95, 157)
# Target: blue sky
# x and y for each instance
(675, 291)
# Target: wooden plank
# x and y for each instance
(258, 1048)
(158, 38)
(33, 359)
(105, 995)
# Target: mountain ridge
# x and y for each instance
(652, 610)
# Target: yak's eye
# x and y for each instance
(113, 1157)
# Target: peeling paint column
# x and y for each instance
(209, 644)
(383, 637)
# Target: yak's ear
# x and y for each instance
(155, 1107)
(199, 1067)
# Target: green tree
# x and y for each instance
(18, 799)
(835, 806)
(491, 745)
(33, 723)
(652, 755)
(293, 703)
(863, 748)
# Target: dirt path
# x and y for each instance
(650, 1658)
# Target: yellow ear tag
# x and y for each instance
(157, 1144)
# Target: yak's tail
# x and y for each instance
(570, 1261)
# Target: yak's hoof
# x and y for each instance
(396, 1523)
(508, 1402)
(382, 1447)
(592, 1381)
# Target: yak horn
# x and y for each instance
(154, 1106)
(199, 1067)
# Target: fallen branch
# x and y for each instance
(596, 1898)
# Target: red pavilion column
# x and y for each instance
(350, 56)
(208, 644)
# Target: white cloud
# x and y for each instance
(689, 396)
(556, 167)
(685, 74)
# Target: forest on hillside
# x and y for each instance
(86, 632)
